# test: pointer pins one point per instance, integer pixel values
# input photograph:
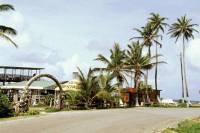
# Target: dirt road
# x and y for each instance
(132, 120)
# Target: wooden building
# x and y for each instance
(10, 74)
(37, 90)
(129, 96)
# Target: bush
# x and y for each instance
(6, 109)
(33, 112)
(156, 105)
(48, 109)
(182, 105)
(163, 105)
(187, 126)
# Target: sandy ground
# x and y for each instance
(132, 120)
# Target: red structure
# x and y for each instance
(129, 96)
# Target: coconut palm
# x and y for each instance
(115, 64)
(106, 87)
(158, 24)
(135, 60)
(4, 30)
(88, 87)
(148, 37)
(105, 82)
(184, 29)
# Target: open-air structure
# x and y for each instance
(37, 90)
(17, 74)
(129, 96)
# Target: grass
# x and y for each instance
(33, 111)
(187, 126)
(179, 105)
(49, 110)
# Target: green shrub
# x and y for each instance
(48, 109)
(182, 105)
(33, 112)
(156, 105)
(187, 126)
(6, 109)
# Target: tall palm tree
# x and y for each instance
(158, 24)
(135, 60)
(114, 64)
(4, 30)
(148, 37)
(185, 30)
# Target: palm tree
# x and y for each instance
(88, 87)
(4, 30)
(148, 37)
(135, 60)
(157, 23)
(106, 87)
(185, 30)
(114, 65)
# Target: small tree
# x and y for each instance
(106, 88)
(72, 98)
(6, 109)
(88, 87)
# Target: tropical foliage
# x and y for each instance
(114, 64)
(88, 87)
(136, 61)
(183, 29)
(6, 109)
(5, 31)
(158, 24)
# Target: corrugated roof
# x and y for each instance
(35, 85)
(15, 67)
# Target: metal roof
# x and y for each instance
(15, 67)
(35, 85)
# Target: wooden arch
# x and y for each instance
(23, 99)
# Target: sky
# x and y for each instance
(61, 35)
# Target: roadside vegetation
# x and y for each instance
(187, 126)
(6, 109)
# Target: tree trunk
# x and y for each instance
(136, 87)
(146, 91)
(120, 86)
(156, 75)
(185, 76)
(182, 79)
(147, 71)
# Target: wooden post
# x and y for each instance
(4, 76)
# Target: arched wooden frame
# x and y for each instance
(28, 84)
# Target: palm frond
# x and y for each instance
(8, 39)
(7, 30)
(6, 7)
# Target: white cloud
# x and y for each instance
(70, 65)
(16, 19)
(193, 53)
